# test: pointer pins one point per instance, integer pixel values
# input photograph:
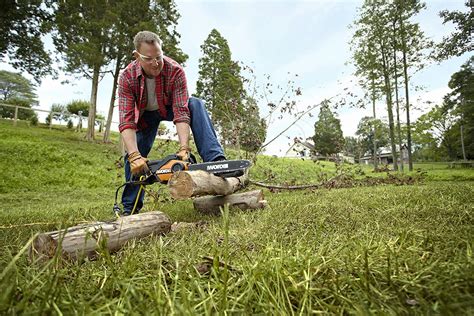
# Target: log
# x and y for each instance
(186, 184)
(84, 241)
(246, 200)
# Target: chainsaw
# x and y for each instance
(162, 170)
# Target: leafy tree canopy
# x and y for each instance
(15, 86)
(22, 23)
(220, 84)
(367, 129)
(328, 138)
(76, 106)
(461, 40)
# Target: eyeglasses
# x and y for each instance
(148, 59)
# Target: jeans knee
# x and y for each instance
(195, 104)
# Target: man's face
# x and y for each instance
(150, 57)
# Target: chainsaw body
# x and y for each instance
(162, 170)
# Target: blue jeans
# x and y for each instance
(204, 135)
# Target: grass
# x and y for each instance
(383, 250)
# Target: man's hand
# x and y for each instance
(183, 153)
(138, 164)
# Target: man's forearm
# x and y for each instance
(129, 137)
(183, 133)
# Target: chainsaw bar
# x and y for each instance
(224, 168)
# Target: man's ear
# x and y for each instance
(135, 54)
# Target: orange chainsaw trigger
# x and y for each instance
(172, 166)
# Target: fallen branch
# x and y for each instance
(78, 242)
(293, 187)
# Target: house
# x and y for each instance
(385, 156)
(305, 150)
(300, 149)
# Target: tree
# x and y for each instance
(460, 41)
(220, 84)
(156, 16)
(16, 90)
(433, 130)
(372, 42)
(253, 130)
(79, 107)
(353, 147)
(461, 101)
(15, 86)
(328, 138)
(85, 47)
(384, 30)
(59, 112)
(368, 129)
(22, 23)
(413, 42)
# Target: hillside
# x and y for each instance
(384, 249)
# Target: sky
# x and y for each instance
(282, 38)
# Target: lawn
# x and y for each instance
(390, 249)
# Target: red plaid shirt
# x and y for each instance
(171, 93)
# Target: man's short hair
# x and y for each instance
(146, 37)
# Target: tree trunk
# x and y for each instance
(78, 242)
(407, 93)
(399, 132)
(112, 101)
(92, 108)
(247, 200)
(186, 184)
(462, 142)
(388, 93)
(375, 129)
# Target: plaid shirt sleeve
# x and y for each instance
(126, 103)
(180, 98)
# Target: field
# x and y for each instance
(386, 249)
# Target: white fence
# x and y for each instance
(77, 118)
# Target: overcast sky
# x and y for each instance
(308, 38)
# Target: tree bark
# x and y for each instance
(388, 94)
(397, 107)
(106, 138)
(375, 129)
(92, 108)
(186, 184)
(85, 241)
(462, 143)
(407, 93)
(246, 200)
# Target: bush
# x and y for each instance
(70, 125)
(34, 120)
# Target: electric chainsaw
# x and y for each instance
(162, 170)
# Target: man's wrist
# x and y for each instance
(184, 147)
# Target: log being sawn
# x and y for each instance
(78, 242)
(246, 200)
(186, 184)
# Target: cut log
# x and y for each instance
(246, 200)
(186, 184)
(79, 242)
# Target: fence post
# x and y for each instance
(16, 116)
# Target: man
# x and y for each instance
(153, 89)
